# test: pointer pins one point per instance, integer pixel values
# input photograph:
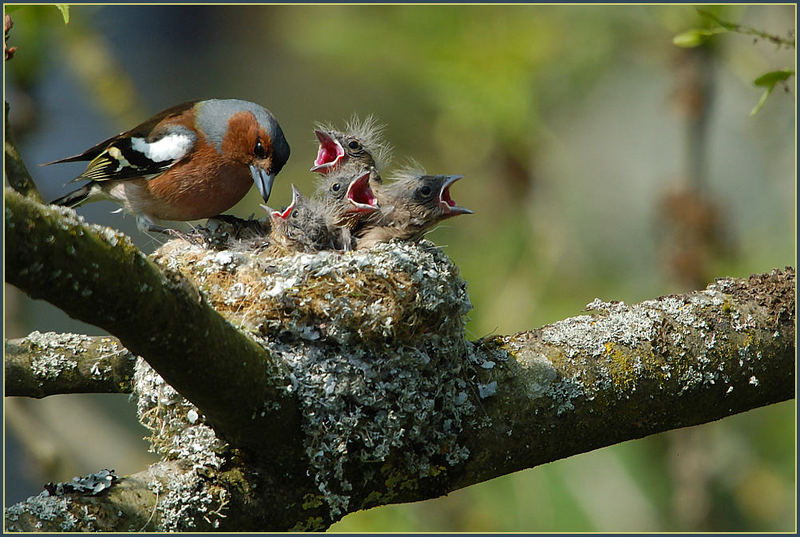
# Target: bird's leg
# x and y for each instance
(146, 225)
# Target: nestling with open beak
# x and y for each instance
(359, 147)
(194, 160)
(349, 194)
(306, 225)
(410, 205)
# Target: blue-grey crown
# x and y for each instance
(213, 115)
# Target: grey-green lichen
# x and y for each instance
(672, 339)
(179, 433)
(43, 507)
(52, 359)
(375, 343)
(66, 358)
(51, 512)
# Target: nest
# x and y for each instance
(396, 291)
(375, 343)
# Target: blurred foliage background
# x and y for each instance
(600, 159)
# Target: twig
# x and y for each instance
(748, 30)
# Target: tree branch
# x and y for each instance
(130, 504)
(52, 364)
(621, 373)
(631, 371)
(748, 30)
(98, 276)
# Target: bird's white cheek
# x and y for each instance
(170, 147)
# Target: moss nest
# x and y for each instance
(397, 291)
(374, 340)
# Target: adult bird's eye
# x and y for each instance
(425, 190)
(354, 145)
(260, 151)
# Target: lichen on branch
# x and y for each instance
(51, 364)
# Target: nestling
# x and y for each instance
(349, 194)
(306, 225)
(359, 147)
(194, 160)
(410, 205)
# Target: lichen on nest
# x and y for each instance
(179, 432)
(395, 291)
(374, 340)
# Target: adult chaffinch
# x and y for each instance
(360, 146)
(194, 160)
(410, 205)
(306, 225)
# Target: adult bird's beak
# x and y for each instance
(361, 196)
(329, 154)
(446, 202)
(263, 180)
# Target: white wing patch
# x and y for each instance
(170, 147)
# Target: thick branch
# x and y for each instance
(52, 364)
(398, 411)
(632, 371)
(16, 171)
(98, 276)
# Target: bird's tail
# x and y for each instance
(74, 198)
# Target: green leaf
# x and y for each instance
(64, 9)
(768, 80)
(695, 37)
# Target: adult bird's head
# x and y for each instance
(249, 133)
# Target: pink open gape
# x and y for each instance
(444, 197)
(361, 196)
(288, 210)
(448, 203)
(329, 154)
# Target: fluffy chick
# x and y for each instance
(306, 225)
(349, 195)
(360, 146)
(410, 205)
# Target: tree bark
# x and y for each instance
(97, 275)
